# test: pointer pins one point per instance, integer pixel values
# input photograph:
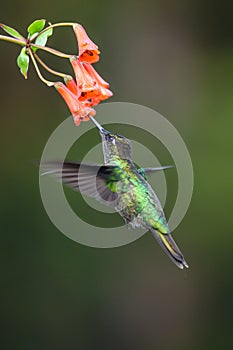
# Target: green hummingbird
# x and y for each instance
(119, 184)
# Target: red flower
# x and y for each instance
(79, 111)
(95, 76)
(93, 87)
(71, 84)
(85, 82)
(102, 85)
(88, 51)
(104, 93)
(89, 89)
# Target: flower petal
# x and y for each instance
(85, 82)
(70, 98)
(79, 110)
(104, 93)
(88, 51)
(95, 76)
(71, 84)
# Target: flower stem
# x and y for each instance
(13, 40)
(48, 83)
(47, 68)
(62, 24)
(52, 51)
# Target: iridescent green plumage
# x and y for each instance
(137, 202)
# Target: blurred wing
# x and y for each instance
(89, 179)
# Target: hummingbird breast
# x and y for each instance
(137, 202)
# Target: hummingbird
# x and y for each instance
(121, 185)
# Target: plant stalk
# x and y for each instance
(47, 82)
(13, 40)
(50, 50)
(50, 70)
(62, 24)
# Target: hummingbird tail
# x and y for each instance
(169, 246)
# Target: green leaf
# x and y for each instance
(42, 38)
(36, 26)
(23, 62)
(11, 31)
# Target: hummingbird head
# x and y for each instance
(114, 145)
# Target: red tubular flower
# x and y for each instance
(88, 51)
(102, 85)
(85, 82)
(79, 111)
(95, 76)
(104, 93)
(90, 88)
(71, 84)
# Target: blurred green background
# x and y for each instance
(177, 58)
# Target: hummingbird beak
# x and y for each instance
(101, 129)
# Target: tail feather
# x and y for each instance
(169, 246)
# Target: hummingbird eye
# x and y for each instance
(109, 137)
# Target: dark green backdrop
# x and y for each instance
(177, 58)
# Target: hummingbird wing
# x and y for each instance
(169, 246)
(93, 180)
